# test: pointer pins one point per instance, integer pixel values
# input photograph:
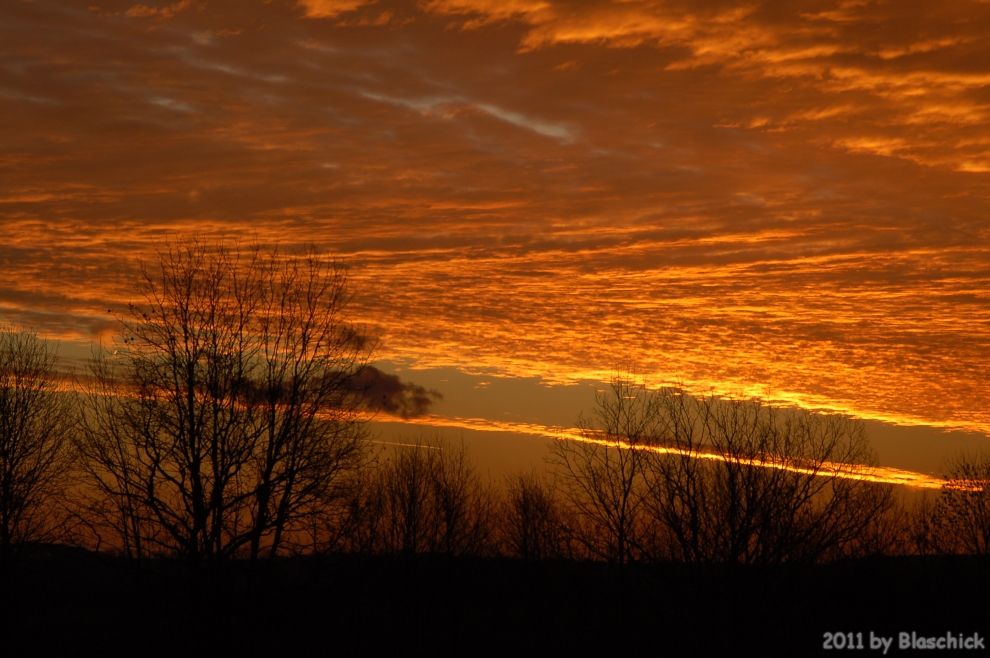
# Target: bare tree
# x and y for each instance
(603, 475)
(740, 481)
(534, 524)
(659, 474)
(889, 532)
(426, 499)
(35, 424)
(227, 417)
(958, 520)
(111, 505)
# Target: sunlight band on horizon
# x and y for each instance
(877, 474)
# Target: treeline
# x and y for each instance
(229, 421)
(593, 504)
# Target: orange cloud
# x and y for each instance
(801, 46)
(331, 8)
(168, 11)
(736, 197)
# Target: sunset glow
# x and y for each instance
(845, 471)
(729, 197)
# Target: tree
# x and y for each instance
(425, 499)
(958, 521)
(227, 416)
(743, 482)
(534, 524)
(603, 474)
(35, 423)
(671, 476)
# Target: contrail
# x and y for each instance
(418, 446)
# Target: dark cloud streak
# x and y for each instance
(386, 392)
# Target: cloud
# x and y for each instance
(450, 106)
(166, 12)
(331, 8)
(372, 390)
(919, 72)
(386, 392)
(729, 195)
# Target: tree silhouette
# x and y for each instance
(534, 524)
(604, 481)
(958, 521)
(744, 482)
(663, 475)
(35, 424)
(226, 418)
(425, 499)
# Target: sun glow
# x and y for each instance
(878, 474)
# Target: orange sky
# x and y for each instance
(732, 196)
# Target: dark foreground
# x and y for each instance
(68, 602)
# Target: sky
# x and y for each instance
(783, 199)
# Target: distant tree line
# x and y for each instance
(229, 422)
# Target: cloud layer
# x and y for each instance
(726, 195)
